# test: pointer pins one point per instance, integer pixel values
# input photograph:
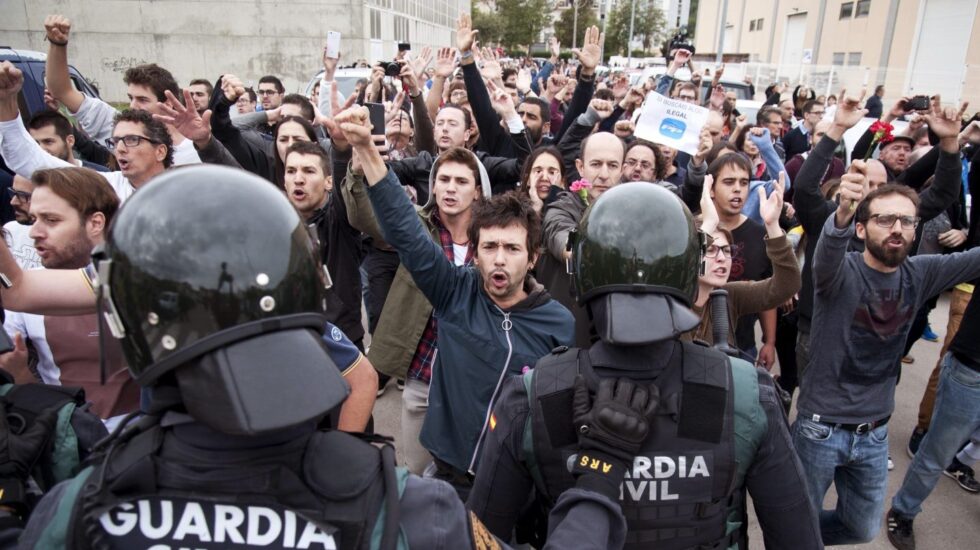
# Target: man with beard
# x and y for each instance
(536, 114)
(864, 304)
(72, 209)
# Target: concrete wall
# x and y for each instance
(204, 38)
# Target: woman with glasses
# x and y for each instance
(744, 297)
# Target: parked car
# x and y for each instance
(31, 97)
(748, 107)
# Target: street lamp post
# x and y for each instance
(629, 44)
(575, 26)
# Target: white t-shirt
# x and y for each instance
(21, 245)
(459, 253)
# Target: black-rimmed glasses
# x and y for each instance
(128, 141)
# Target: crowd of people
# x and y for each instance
(569, 311)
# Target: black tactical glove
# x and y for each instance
(19, 452)
(611, 429)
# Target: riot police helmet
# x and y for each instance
(210, 274)
(635, 262)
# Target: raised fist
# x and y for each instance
(57, 28)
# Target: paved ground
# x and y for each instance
(950, 517)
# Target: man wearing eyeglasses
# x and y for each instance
(864, 305)
(270, 92)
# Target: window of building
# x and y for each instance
(863, 8)
(375, 24)
(401, 28)
(846, 10)
(854, 58)
(752, 25)
(838, 58)
(758, 24)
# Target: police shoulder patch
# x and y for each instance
(336, 334)
(482, 538)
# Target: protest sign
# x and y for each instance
(672, 123)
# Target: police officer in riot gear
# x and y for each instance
(213, 285)
(719, 428)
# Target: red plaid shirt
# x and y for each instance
(425, 353)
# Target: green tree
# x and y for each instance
(586, 17)
(648, 25)
(490, 24)
(512, 23)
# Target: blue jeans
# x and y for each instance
(955, 417)
(858, 467)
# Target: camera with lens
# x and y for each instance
(681, 41)
(391, 68)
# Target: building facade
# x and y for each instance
(910, 46)
(249, 38)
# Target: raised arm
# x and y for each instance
(492, 136)
(694, 180)
(588, 57)
(445, 64)
(828, 258)
(945, 189)
(807, 198)
(247, 155)
(424, 135)
(774, 165)
(45, 291)
(196, 128)
(57, 29)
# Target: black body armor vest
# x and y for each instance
(678, 492)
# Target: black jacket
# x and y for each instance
(342, 249)
(796, 142)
